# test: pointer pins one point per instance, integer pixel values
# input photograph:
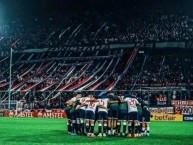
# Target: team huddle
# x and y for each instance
(116, 115)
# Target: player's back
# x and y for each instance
(146, 111)
(122, 104)
(132, 104)
(91, 105)
(114, 105)
(103, 102)
(83, 101)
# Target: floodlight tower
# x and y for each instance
(10, 72)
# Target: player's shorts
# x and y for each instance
(102, 115)
(89, 115)
(80, 113)
(123, 115)
(147, 117)
(113, 113)
(72, 115)
(132, 116)
(67, 111)
(140, 117)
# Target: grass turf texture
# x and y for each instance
(34, 131)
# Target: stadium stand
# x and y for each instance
(49, 72)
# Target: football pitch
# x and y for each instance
(35, 131)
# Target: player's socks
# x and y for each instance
(136, 130)
(75, 124)
(109, 131)
(92, 128)
(129, 130)
(78, 126)
(124, 128)
(68, 125)
(100, 127)
(87, 128)
(140, 129)
(148, 129)
(82, 125)
(113, 132)
(114, 126)
(105, 128)
(69, 128)
(118, 127)
(72, 128)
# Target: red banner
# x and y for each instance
(37, 114)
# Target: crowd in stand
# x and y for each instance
(160, 70)
(112, 27)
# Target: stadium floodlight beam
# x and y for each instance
(10, 71)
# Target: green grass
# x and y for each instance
(28, 131)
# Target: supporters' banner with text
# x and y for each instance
(165, 110)
(166, 117)
(180, 102)
(161, 100)
(185, 110)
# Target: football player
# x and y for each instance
(67, 111)
(102, 116)
(146, 121)
(140, 119)
(112, 113)
(80, 112)
(122, 115)
(91, 104)
(73, 103)
(132, 115)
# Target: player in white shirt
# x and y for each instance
(92, 105)
(102, 116)
(132, 115)
(80, 114)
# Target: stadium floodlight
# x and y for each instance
(10, 71)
